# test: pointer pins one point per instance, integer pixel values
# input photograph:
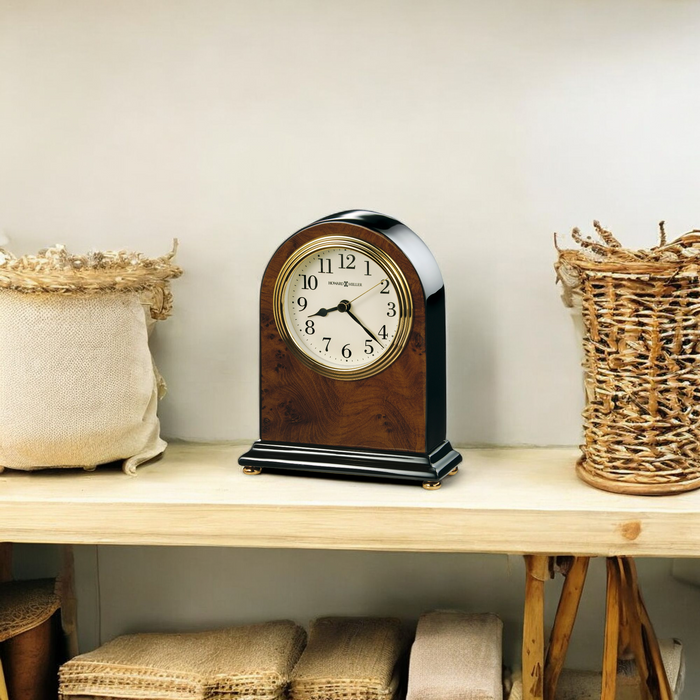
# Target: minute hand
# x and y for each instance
(367, 330)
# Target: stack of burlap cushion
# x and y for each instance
(246, 661)
(456, 656)
(349, 659)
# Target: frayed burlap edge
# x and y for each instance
(56, 271)
(345, 690)
(25, 605)
(322, 676)
(123, 672)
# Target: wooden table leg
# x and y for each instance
(634, 627)
(536, 572)
(643, 639)
(612, 631)
(564, 624)
(65, 587)
(627, 628)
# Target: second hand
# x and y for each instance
(367, 290)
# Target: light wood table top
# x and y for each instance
(503, 500)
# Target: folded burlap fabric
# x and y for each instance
(456, 656)
(25, 605)
(243, 696)
(349, 659)
(240, 696)
(253, 661)
(586, 685)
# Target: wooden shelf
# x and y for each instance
(514, 501)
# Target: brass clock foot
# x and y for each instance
(252, 471)
(454, 471)
(432, 485)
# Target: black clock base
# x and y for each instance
(369, 464)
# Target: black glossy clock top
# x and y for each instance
(407, 240)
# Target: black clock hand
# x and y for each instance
(367, 330)
(324, 312)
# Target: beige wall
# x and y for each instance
(485, 126)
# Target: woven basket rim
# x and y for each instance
(607, 255)
(658, 268)
(596, 478)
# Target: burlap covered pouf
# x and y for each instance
(28, 640)
(252, 661)
(586, 685)
(78, 386)
(349, 659)
(456, 656)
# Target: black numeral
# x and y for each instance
(323, 271)
(310, 330)
(302, 302)
(310, 283)
(385, 288)
(350, 262)
(328, 342)
(367, 274)
(346, 351)
(392, 309)
(382, 333)
(369, 348)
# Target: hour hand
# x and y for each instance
(324, 312)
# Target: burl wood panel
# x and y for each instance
(297, 405)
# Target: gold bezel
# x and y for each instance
(391, 269)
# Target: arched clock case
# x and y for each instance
(352, 355)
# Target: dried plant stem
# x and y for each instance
(662, 234)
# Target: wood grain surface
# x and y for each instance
(297, 405)
(563, 627)
(513, 500)
(536, 573)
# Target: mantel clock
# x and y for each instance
(352, 355)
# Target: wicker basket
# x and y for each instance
(641, 319)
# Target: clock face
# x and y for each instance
(343, 307)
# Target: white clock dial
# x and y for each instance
(342, 308)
